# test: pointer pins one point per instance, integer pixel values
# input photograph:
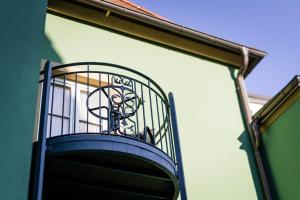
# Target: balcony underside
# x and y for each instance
(89, 166)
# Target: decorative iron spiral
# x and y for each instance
(123, 103)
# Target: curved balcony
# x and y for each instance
(105, 132)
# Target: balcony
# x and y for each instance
(105, 131)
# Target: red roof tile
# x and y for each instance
(135, 7)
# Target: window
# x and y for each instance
(68, 113)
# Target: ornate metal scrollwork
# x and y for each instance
(122, 104)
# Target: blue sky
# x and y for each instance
(269, 25)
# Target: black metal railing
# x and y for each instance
(104, 98)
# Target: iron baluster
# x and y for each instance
(100, 127)
(63, 107)
(52, 100)
(165, 130)
(136, 107)
(144, 119)
(151, 111)
(159, 127)
(75, 103)
(109, 120)
(87, 94)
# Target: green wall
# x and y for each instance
(281, 144)
(22, 38)
(214, 142)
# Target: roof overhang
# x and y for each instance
(152, 29)
(278, 104)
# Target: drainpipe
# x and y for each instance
(253, 132)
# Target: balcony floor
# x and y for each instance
(89, 166)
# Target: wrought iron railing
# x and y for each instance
(103, 98)
(106, 99)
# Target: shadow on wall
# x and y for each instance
(270, 177)
(246, 145)
(48, 52)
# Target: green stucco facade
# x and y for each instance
(217, 155)
(281, 145)
(22, 38)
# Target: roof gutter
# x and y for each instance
(255, 54)
(252, 125)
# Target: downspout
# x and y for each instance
(251, 126)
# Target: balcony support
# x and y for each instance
(180, 171)
(41, 148)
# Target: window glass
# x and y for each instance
(59, 123)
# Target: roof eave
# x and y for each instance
(280, 101)
(255, 55)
